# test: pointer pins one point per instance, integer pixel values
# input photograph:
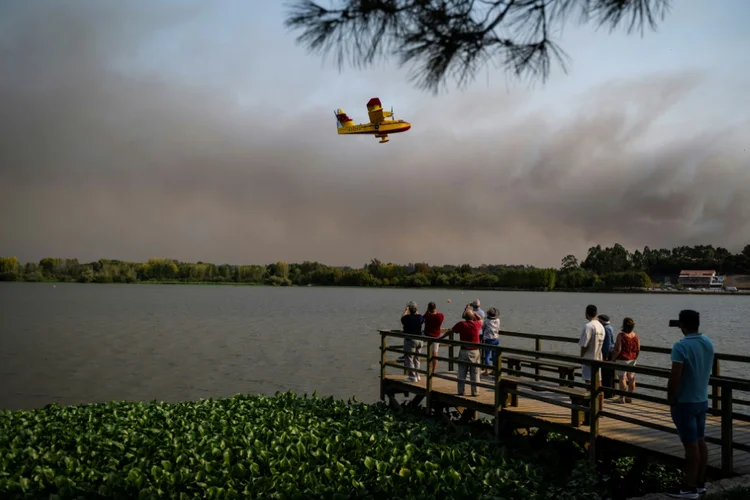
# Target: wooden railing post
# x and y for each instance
(716, 389)
(450, 353)
(498, 395)
(383, 346)
(594, 410)
(428, 382)
(727, 451)
(537, 348)
(406, 372)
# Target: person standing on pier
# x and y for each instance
(475, 307)
(468, 331)
(608, 374)
(412, 322)
(627, 349)
(433, 320)
(591, 342)
(491, 336)
(687, 393)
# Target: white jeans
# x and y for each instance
(411, 362)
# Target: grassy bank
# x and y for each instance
(288, 446)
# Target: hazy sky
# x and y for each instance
(200, 131)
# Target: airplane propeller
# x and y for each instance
(393, 117)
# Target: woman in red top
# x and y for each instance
(468, 331)
(627, 348)
(433, 320)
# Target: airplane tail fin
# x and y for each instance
(342, 119)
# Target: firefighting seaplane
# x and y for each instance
(378, 125)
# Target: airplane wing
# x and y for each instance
(375, 110)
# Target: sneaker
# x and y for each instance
(684, 492)
(410, 379)
(701, 489)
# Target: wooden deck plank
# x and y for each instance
(654, 440)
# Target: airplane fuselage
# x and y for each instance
(384, 127)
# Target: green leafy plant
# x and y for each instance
(286, 446)
(291, 446)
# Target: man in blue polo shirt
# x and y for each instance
(687, 392)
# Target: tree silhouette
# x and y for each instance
(440, 38)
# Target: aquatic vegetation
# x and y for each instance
(287, 446)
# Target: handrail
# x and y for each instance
(725, 384)
(734, 383)
(716, 368)
(654, 371)
(739, 358)
(645, 348)
(716, 397)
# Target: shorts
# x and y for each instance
(626, 362)
(690, 420)
(435, 348)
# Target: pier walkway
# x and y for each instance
(520, 394)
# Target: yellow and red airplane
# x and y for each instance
(378, 125)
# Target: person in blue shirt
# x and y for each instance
(608, 375)
(477, 309)
(687, 393)
(412, 322)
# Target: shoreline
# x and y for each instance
(478, 289)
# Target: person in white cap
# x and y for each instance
(477, 309)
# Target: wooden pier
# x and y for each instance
(552, 397)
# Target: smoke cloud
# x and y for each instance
(100, 158)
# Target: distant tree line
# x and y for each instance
(603, 268)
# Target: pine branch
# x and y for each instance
(443, 38)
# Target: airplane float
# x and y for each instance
(378, 125)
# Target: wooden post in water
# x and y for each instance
(595, 408)
(450, 353)
(383, 346)
(727, 451)
(538, 348)
(716, 389)
(428, 382)
(498, 395)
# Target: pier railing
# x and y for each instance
(716, 397)
(742, 399)
(510, 383)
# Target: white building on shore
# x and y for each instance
(701, 278)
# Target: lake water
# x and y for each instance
(76, 343)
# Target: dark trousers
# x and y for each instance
(608, 377)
